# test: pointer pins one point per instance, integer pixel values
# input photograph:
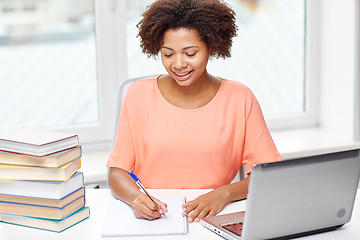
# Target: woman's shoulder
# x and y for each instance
(236, 88)
(238, 95)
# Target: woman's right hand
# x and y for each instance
(125, 189)
(144, 208)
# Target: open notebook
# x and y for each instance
(121, 221)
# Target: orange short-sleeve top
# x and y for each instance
(171, 147)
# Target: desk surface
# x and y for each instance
(96, 199)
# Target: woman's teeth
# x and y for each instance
(182, 74)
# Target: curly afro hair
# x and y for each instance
(214, 20)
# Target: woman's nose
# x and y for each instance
(180, 62)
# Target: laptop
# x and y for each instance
(294, 197)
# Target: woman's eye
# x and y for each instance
(191, 54)
(167, 55)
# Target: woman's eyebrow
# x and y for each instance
(167, 48)
(185, 48)
(190, 47)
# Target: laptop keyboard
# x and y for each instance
(235, 227)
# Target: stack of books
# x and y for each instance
(40, 185)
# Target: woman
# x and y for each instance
(187, 128)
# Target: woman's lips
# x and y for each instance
(183, 75)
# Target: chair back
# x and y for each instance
(120, 97)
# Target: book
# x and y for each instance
(59, 203)
(36, 142)
(43, 189)
(48, 224)
(54, 160)
(15, 172)
(121, 221)
(42, 211)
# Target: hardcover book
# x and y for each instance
(43, 189)
(42, 211)
(48, 224)
(54, 160)
(59, 203)
(15, 172)
(36, 142)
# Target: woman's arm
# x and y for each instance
(213, 202)
(124, 188)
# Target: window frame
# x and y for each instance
(111, 43)
(357, 74)
(312, 55)
(309, 117)
(111, 70)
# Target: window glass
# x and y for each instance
(48, 68)
(268, 55)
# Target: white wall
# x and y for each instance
(338, 105)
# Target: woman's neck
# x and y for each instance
(197, 95)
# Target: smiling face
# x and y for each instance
(185, 56)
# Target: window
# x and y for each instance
(6, 9)
(30, 7)
(48, 68)
(62, 61)
(268, 55)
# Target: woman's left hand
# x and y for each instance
(206, 205)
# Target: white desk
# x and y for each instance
(97, 201)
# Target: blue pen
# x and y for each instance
(138, 182)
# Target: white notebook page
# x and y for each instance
(121, 221)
